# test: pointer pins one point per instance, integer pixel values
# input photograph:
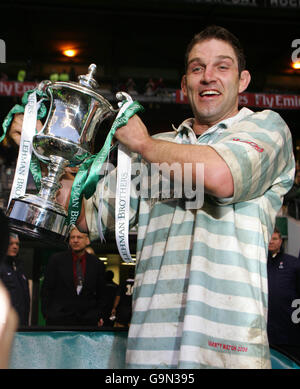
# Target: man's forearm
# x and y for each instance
(81, 223)
(217, 176)
(218, 180)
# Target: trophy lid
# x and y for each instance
(88, 79)
(86, 85)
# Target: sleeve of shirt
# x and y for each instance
(259, 153)
(106, 189)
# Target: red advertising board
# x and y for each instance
(14, 88)
(259, 100)
(247, 99)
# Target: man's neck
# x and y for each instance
(200, 127)
(79, 253)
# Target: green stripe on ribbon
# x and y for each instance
(88, 175)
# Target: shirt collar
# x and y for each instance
(188, 123)
(274, 255)
(75, 256)
(10, 260)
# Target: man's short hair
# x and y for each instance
(13, 235)
(277, 231)
(73, 227)
(219, 33)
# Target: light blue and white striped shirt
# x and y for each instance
(200, 292)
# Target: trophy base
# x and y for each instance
(32, 216)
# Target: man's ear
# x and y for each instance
(183, 85)
(245, 79)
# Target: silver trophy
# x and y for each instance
(66, 139)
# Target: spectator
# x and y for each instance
(284, 290)
(160, 89)
(111, 289)
(64, 76)
(54, 76)
(292, 198)
(13, 276)
(131, 86)
(73, 288)
(21, 75)
(122, 308)
(150, 87)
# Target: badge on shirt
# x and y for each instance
(280, 265)
(78, 289)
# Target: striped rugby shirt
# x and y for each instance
(200, 292)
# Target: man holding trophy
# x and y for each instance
(200, 291)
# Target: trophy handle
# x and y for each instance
(124, 98)
(44, 87)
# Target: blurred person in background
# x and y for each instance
(284, 297)
(292, 198)
(13, 276)
(73, 290)
(111, 289)
(122, 308)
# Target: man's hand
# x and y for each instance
(15, 130)
(134, 135)
(64, 193)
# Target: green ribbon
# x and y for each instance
(34, 163)
(88, 175)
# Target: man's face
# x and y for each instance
(78, 241)
(275, 243)
(212, 82)
(13, 246)
(297, 178)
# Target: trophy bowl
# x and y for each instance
(66, 139)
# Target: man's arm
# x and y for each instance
(15, 129)
(100, 290)
(218, 180)
(81, 223)
(116, 303)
